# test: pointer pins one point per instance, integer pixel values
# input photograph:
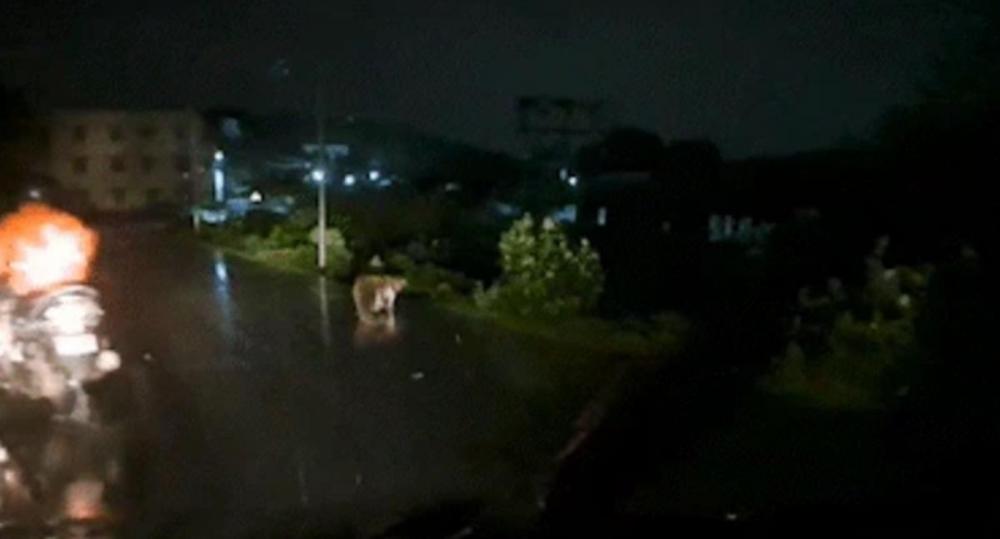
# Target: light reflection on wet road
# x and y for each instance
(263, 407)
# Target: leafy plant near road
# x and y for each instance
(853, 349)
(544, 276)
(430, 279)
(287, 246)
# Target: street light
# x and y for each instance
(318, 175)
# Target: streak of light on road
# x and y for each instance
(324, 313)
(223, 297)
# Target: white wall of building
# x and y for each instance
(129, 160)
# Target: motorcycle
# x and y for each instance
(54, 474)
(50, 347)
(59, 479)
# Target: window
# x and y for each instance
(80, 165)
(118, 194)
(80, 133)
(602, 216)
(148, 163)
(182, 162)
(115, 132)
(118, 163)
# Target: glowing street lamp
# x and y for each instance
(318, 175)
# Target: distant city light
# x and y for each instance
(566, 214)
(349, 179)
(602, 216)
(34, 194)
(219, 156)
(563, 173)
(256, 197)
(374, 175)
(573, 180)
(318, 175)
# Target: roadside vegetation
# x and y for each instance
(855, 347)
(548, 286)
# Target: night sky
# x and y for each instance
(760, 76)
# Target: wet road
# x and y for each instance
(260, 411)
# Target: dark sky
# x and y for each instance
(753, 75)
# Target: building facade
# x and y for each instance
(116, 161)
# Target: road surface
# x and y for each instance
(260, 409)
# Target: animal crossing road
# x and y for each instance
(259, 405)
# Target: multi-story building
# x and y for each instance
(115, 160)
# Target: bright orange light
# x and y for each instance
(84, 499)
(41, 247)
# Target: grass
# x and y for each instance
(663, 336)
(272, 258)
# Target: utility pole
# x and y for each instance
(321, 177)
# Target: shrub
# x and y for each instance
(288, 245)
(253, 244)
(300, 258)
(543, 275)
(429, 278)
(850, 356)
(338, 255)
(285, 236)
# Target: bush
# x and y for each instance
(845, 355)
(286, 236)
(854, 369)
(298, 258)
(288, 245)
(429, 278)
(543, 275)
(338, 255)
